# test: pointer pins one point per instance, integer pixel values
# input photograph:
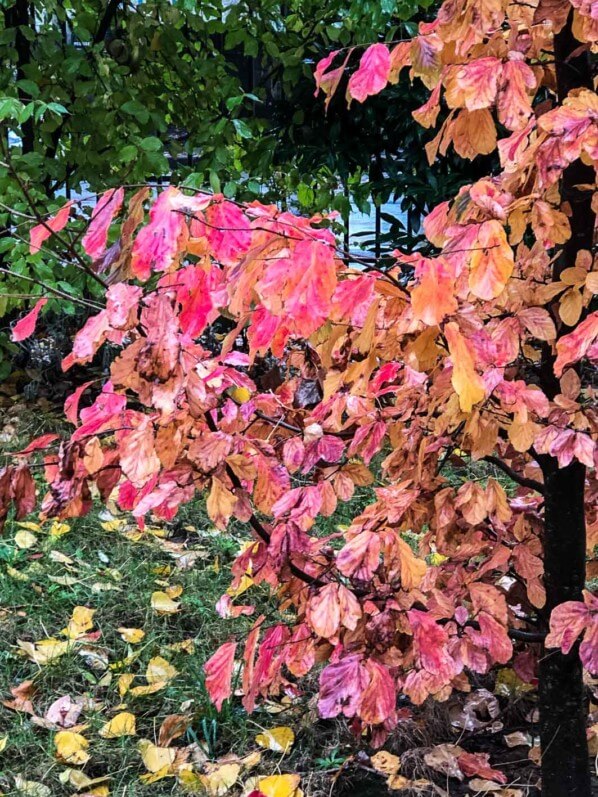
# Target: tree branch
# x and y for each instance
(517, 477)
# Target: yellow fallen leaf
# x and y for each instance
(386, 763)
(175, 591)
(280, 786)
(163, 604)
(112, 525)
(124, 682)
(186, 646)
(154, 777)
(131, 635)
(155, 758)
(44, 651)
(191, 782)
(221, 778)
(251, 760)
(16, 574)
(61, 558)
(122, 724)
(160, 670)
(71, 748)
(149, 689)
(3, 743)
(81, 621)
(31, 788)
(25, 539)
(240, 395)
(59, 529)
(81, 781)
(279, 739)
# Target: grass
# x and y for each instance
(115, 574)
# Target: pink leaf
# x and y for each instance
(108, 206)
(567, 622)
(373, 72)
(25, 327)
(341, 687)
(219, 673)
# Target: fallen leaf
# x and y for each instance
(386, 763)
(280, 786)
(81, 621)
(58, 529)
(156, 759)
(64, 711)
(160, 670)
(443, 759)
(131, 635)
(122, 724)
(124, 682)
(173, 726)
(31, 788)
(71, 748)
(279, 739)
(163, 604)
(220, 778)
(25, 539)
(3, 743)
(518, 739)
(44, 651)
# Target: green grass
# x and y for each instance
(115, 576)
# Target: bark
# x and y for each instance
(563, 711)
(18, 16)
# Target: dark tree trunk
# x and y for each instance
(19, 16)
(563, 712)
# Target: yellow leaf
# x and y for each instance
(186, 646)
(27, 524)
(468, 384)
(82, 781)
(280, 786)
(160, 670)
(31, 788)
(81, 621)
(154, 777)
(162, 604)
(221, 778)
(132, 635)
(3, 743)
(386, 763)
(124, 682)
(191, 782)
(44, 651)
(278, 739)
(123, 724)
(59, 529)
(240, 395)
(175, 591)
(112, 525)
(156, 759)
(25, 539)
(140, 691)
(16, 574)
(71, 748)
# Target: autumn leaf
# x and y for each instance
(71, 748)
(468, 384)
(122, 724)
(24, 328)
(279, 739)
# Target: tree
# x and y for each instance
(480, 353)
(99, 94)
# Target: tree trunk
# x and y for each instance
(563, 713)
(18, 16)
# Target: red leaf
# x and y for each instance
(219, 673)
(478, 764)
(25, 327)
(41, 232)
